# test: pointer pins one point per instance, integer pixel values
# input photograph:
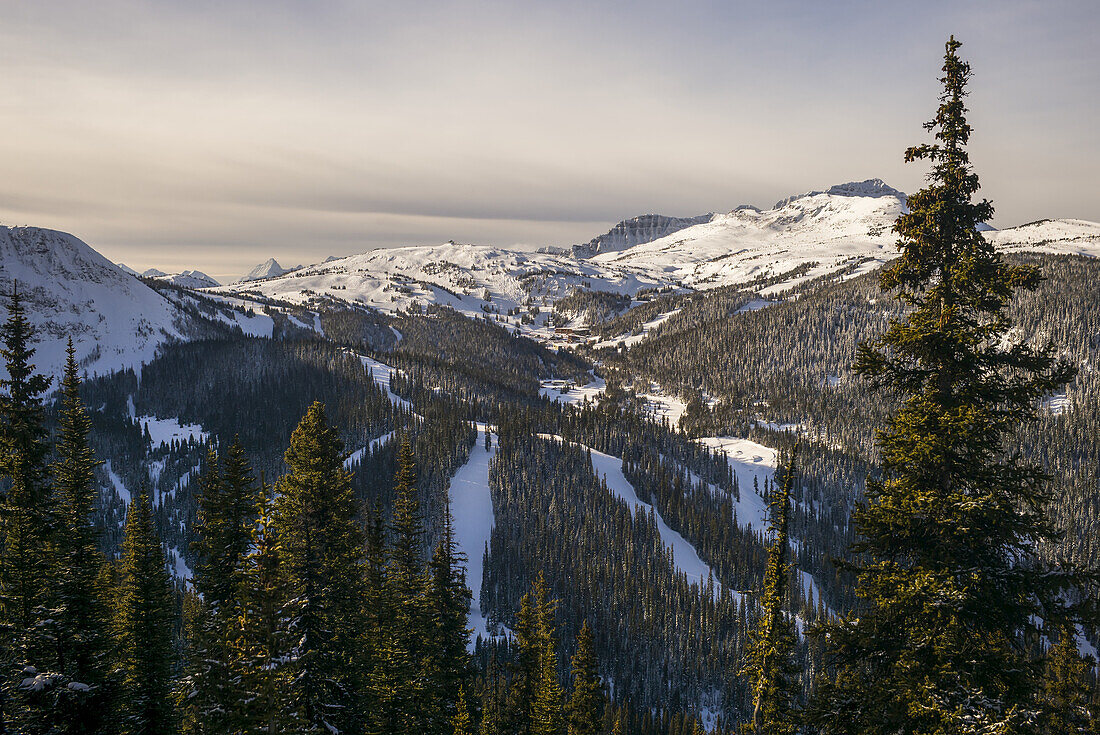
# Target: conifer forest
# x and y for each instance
(876, 510)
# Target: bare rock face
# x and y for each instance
(636, 231)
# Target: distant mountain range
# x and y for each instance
(117, 320)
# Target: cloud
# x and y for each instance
(213, 135)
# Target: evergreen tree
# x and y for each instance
(585, 710)
(83, 641)
(398, 684)
(525, 673)
(264, 649)
(546, 706)
(1066, 688)
(322, 554)
(771, 668)
(460, 721)
(145, 622)
(447, 605)
(227, 504)
(26, 522)
(947, 563)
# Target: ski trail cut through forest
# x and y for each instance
(373, 447)
(382, 374)
(684, 555)
(472, 509)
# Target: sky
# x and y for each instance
(213, 135)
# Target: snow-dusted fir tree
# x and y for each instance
(947, 561)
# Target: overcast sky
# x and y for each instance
(214, 134)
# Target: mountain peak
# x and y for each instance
(270, 268)
(866, 188)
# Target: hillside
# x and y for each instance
(115, 320)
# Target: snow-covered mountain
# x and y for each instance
(188, 279)
(270, 268)
(843, 229)
(455, 275)
(804, 236)
(70, 290)
(1066, 236)
(636, 231)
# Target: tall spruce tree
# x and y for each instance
(322, 551)
(227, 505)
(447, 605)
(586, 703)
(26, 530)
(83, 639)
(524, 680)
(145, 626)
(264, 648)
(771, 667)
(947, 565)
(399, 695)
(546, 705)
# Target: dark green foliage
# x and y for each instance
(322, 557)
(949, 572)
(771, 669)
(447, 604)
(1066, 688)
(264, 649)
(27, 658)
(145, 625)
(228, 501)
(83, 640)
(586, 702)
(399, 699)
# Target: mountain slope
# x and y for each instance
(115, 320)
(1060, 236)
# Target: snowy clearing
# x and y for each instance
(165, 431)
(565, 391)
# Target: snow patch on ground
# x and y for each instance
(573, 394)
(178, 566)
(1057, 404)
(120, 487)
(749, 461)
(165, 431)
(660, 406)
